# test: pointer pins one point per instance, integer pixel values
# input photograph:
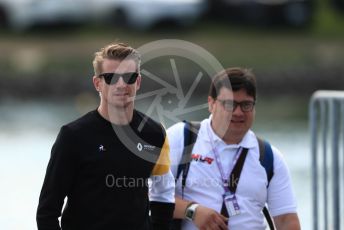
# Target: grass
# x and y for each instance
(257, 49)
(68, 52)
(230, 44)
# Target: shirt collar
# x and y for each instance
(209, 132)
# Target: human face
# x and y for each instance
(119, 94)
(231, 125)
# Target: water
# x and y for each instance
(28, 130)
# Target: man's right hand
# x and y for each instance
(209, 219)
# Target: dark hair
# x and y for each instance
(235, 78)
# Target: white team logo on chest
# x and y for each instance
(101, 148)
(146, 147)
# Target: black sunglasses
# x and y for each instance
(112, 78)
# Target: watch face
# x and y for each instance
(189, 214)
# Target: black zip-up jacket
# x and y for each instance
(102, 171)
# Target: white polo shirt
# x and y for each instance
(204, 184)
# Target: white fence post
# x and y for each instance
(326, 117)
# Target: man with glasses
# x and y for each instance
(101, 162)
(204, 198)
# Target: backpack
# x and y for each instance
(191, 129)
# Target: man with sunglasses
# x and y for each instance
(209, 196)
(102, 161)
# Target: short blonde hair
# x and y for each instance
(115, 51)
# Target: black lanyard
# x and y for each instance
(234, 177)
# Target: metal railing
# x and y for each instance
(326, 116)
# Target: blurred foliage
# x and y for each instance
(48, 61)
(328, 22)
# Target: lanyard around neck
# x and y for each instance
(224, 176)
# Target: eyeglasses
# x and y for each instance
(112, 78)
(230, 105)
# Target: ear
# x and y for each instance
(138, 82)
(97, 83)
(211, 102)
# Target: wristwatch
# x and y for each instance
(190, 211)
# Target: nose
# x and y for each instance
(120, 83)
(237, 110)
